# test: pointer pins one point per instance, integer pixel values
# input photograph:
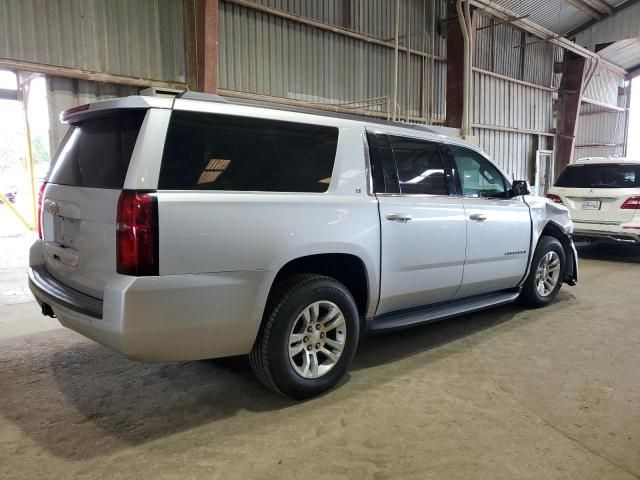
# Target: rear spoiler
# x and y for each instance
(88, 110)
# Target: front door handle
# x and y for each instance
(399, 217)
(478, 217)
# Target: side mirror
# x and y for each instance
(520, 187)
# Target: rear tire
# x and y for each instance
(546, 274)
(308, 337)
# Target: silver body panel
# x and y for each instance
(219, 252)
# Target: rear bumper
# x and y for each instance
(614, 235)
(48, 290)
(166, 318)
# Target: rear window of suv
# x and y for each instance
(97, 151)
(600, 176)
(205, 151)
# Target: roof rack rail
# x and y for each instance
(206, 97)
(212, 97)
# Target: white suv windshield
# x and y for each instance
(600, 176)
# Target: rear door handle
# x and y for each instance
(478, 217)
(399, 217)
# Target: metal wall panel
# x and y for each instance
(604, 87)
(144, 38)
(508, 51)
(63, 93)
(371, 17)
(603, 128)
(582, 152)
(601, 132)
(513, 152)
(269, 55)
(502, 103)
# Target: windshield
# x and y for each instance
(600, 176)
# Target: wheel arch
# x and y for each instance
(347, 268)
(555, 230)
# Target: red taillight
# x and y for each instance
(631, 203)
(40, 198)
(555, 198)
(137, 234)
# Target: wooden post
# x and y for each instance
(206, 44)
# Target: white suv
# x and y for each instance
(603, 196)
(195, 227)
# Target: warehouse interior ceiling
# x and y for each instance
(562, 16)
(623, 53)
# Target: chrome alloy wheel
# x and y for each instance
(548, 274)
(317, 339)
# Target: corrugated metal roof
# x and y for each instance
(619, 26)
(624, 53)
(555, 15)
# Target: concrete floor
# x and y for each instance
(508, 393)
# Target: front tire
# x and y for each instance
(308, 337)
(546, 274)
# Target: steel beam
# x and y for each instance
(590, 23)
(455, 70)
(569, 97)
(602, 6)
(585, 8)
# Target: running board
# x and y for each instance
(408, 318)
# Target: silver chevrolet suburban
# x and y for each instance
(197, 227)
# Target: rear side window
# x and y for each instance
(600, 176)
(206, 151)
(97, 151)
(420, 166)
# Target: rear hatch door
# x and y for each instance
(595, 193)
(80, 200)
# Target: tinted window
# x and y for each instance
(478, 177)
(97, 151)
(420, 166)
(221, 152)
(385, 177)
(600, 176)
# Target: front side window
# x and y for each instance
(478, 177)
(420, 166)
(205, 151)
